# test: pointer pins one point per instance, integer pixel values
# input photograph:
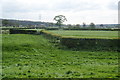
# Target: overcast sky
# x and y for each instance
(76, 11)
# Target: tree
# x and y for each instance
(51, 24)
(84, 25)
(101, 25)
(92, 25)
(6, 23)
(60, 19)
(77, 26)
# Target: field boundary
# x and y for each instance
(22, 31)
(8, 28)
(91, 29)
(74, 42)
(84, 43)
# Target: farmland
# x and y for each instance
(86, 34)
(33, 56)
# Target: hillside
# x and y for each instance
(25, 23)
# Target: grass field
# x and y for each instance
(86, 34)
(32, 56)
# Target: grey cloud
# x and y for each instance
(14, 7)
(113, 6)
(71, 6)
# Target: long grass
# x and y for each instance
(32, 56)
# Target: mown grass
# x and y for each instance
(33, 56)
(86, 34)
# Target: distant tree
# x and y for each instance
(118, 26)
(101, 25)
(69, 26)
(10, 23)
(60, 19)
(5, 23)
(84, 24)
(92, 25)
(77, 26)
(16, 24)
(51, 24)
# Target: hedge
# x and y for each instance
(84, 43)
(20, 31)
(91, 44)
(50, 35)
(8, 28)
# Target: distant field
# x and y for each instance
(86, 34)
(34, 29)
(33, 56)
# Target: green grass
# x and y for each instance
(32, 56)
(86, 34)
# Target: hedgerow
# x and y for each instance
(84, 43)
(22, 31)
(91, 44)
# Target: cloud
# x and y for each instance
(71, 5)
(113, 6)
(35, 5)
(75, 10)
(11, 6)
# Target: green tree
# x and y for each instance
(92, 25)
(84, 25)
(5, 23)
(77, 26)
(101, 25)
(60, 19)
(51, 24)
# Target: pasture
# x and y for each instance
(87, 34)
(33, 56)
